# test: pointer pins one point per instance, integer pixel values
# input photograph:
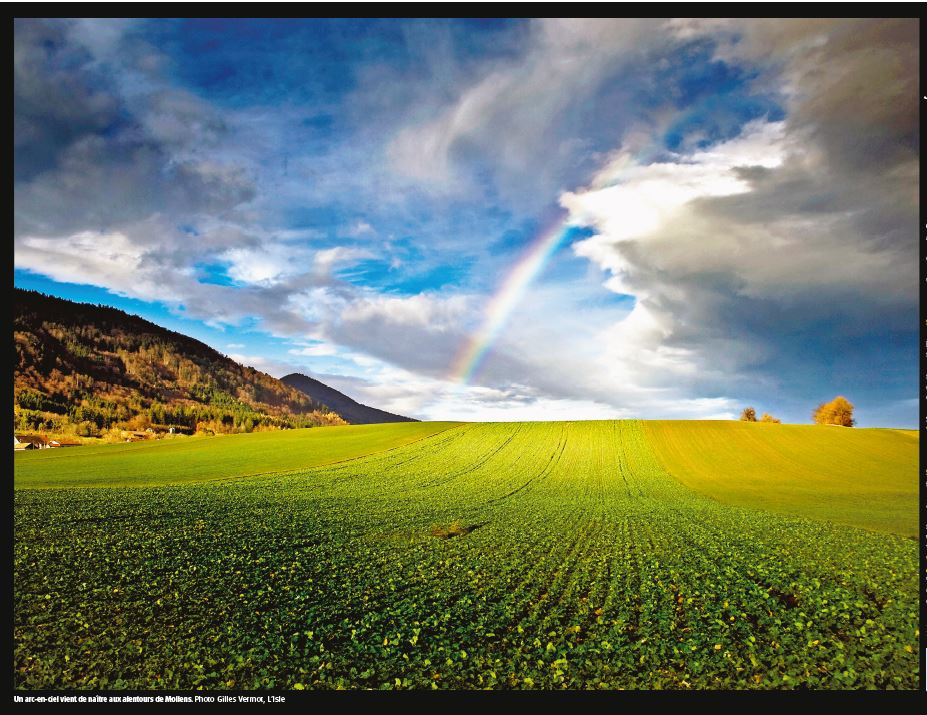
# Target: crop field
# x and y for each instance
(861, 477)
(200, 459)
(515, 555)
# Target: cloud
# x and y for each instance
(628, 200)
(53, 106)
(439, 314)
(326, 260)
(753, 261)
(108, 259)
(410, 394)
(104, 145)
(267, 264)
(420, 333)
(360, 229)
(517, 106)
(317, 350)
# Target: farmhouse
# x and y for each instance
(136, 435)
(21, 442)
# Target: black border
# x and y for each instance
(922, 256)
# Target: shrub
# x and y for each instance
(748, 415)
(86, 429)
(769, 418)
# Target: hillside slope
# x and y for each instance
(353, 411)
(862, 477)
(89, 368)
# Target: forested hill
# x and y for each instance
(89, 369)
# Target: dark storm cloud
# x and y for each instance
(793, 284)
(102, 146)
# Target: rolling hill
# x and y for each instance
(862, 477)
(351, 410)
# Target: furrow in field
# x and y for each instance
(548, 468)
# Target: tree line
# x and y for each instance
(838, 411)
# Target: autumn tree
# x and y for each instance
(769, 418)
(748, 415)
(838, 411)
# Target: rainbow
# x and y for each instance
(503, 302)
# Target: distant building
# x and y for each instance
(28, 442)
(136, 436)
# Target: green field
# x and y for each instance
(579, 561)
(202, 459)
(861, 477)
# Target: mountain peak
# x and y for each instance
(351, 410)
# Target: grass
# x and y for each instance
(202, 459)
(861, 477)
(592, 567)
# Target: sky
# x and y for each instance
(492, 219)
